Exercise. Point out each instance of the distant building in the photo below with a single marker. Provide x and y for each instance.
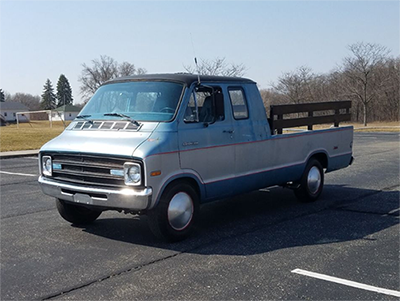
(8, 110)
(67, 112)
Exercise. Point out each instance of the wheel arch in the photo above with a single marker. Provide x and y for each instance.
(321, 156)
(190, 179)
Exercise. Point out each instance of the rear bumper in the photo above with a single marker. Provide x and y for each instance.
(128, 198)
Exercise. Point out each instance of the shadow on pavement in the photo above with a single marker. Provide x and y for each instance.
(263, 221)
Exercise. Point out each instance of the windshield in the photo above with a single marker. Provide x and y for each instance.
(141, 101)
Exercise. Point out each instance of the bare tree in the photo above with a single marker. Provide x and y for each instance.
(271, 97)
(370, 78)
(296, 86)
(386, 104)
(361, 70)
(127, 69)
(102, 70)
(391, 90)
(217, 66)
(7, 96)
(32, 102)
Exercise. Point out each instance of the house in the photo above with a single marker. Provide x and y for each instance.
(8, 110)
(67, 112)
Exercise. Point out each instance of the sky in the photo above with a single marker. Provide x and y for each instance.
(40, 40)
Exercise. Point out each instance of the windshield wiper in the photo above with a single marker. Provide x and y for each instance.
(85, 117)
(123, 116)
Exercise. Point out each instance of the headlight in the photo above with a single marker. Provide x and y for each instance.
(132, 174)
(47, 168)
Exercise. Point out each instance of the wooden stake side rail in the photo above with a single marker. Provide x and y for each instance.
(278, 123)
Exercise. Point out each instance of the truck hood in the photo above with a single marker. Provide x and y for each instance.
(109, 142)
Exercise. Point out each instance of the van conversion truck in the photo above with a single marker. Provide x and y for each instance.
(164, 144)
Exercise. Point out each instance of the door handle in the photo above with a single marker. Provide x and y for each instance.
(229, 131)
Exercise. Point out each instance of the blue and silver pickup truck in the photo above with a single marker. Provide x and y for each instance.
(164, 144)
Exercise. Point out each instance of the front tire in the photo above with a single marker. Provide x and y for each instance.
(75, 214)
(311, 182)
(174, 216)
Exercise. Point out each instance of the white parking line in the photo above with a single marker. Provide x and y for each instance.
(394, 211)
(348, 283)
(18, 174)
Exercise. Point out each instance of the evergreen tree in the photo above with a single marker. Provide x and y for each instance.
(2, 96)
(64, 92)
(48, 97)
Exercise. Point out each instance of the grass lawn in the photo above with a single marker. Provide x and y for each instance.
(34, 135)
(28, 136)
(389, 126)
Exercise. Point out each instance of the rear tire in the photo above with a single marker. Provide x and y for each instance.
(311, 182)
(75, 214)
(174, 216)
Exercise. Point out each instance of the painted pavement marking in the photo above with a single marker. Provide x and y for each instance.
(348, 282)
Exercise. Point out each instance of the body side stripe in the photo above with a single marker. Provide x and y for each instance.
(247, 142)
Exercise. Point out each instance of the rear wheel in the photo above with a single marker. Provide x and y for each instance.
(78, 215)
(174, 216)
(311, 182)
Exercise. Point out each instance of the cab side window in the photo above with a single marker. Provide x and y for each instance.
(238, 102)
(205, 105)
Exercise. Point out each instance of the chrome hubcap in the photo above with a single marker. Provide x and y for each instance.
(180, 211)
(314, 180)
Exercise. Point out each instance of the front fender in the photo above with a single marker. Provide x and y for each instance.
(183, 175)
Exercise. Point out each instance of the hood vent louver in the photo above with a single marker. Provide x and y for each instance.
(103, 125)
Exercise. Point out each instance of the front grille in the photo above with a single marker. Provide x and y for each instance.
(88, 169)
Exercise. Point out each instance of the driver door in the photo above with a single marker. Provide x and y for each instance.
(206, 147)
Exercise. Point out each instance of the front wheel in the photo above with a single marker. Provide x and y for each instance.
(311, 182)
(174, 216)
(75, 214)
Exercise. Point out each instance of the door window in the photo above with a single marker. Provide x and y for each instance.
(205, 105)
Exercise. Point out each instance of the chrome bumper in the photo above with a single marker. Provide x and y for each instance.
(128, 198)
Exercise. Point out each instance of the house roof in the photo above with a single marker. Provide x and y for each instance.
(68, 108)
(12, 105)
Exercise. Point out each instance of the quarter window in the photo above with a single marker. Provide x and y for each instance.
(191, 110)
(239, 104)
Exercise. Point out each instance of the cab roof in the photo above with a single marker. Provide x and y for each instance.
(186, 78)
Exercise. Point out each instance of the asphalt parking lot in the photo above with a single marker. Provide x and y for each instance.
(264, 245)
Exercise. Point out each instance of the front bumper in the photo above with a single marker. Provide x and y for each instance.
(127, 198)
